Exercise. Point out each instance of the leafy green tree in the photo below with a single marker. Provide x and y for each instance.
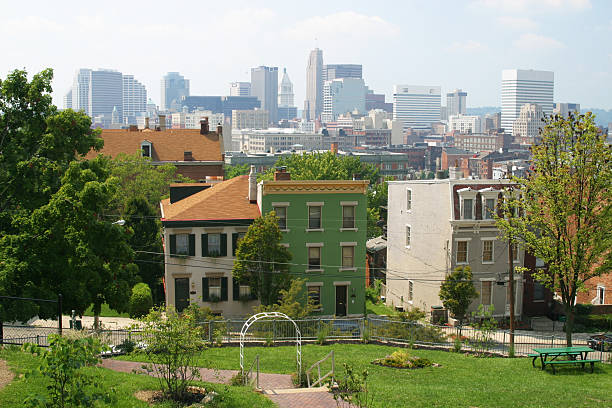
(564, 207)
(457, 292)
(141, 300)
(292, 301)
(261, 262)
(145, 241)
(235, 171)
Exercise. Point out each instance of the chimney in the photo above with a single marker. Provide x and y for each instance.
(253, 185)
(334, 147)
(281, 174)
(162, 123)
(146, 122)
(187, 156)
(219, 129)
(204, 126)
(133, 128)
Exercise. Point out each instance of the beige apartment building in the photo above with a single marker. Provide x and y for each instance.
(250, 119)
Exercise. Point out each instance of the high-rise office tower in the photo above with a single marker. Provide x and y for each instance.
(134, 99)
(80, 90)
(416, 107)
(286, 107)
(68, 100)
(525, 86)
(240, 89)
(106, 93)
(341, 96)
(173, 87)
(313, 106)
(335, 71)
(455, 102)
(564, 109)
(264, 85)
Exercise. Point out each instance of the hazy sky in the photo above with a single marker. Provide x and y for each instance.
(454, 44)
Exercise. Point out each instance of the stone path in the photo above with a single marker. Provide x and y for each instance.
(278, 387)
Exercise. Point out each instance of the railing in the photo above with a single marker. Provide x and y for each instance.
(247, 377)
(318, 365)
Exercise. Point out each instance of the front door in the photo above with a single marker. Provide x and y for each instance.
(341, 300)
(181, 293)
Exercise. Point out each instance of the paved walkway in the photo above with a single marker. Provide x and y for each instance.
(278, 387)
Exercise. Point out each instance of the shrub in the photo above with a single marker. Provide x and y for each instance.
(353, 389)
(593, 321)
(403, 359)
(127, 346)
(62, 363)
(413, 332)
(373, 292)
(141, 300)
(413, 315)
(485, 328)
(323, 333)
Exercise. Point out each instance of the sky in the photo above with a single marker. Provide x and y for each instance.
(452, 43)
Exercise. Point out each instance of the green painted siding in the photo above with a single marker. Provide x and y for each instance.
(331, 237)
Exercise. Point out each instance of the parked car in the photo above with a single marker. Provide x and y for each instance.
(600, 342)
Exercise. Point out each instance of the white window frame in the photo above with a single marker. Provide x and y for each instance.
(409, 199)
(489, 193)
(182, 248)
(348, 245)
(149, 145)
(515, 254)
(482, 243)
(492, 282)
(314, 245)
(209, 247)
(601, 299)
(315, 204)
(353, 204)
(214, 290)
(467, 251)
(408, 236)
(284, 207)
(410, 292)
(467, 194)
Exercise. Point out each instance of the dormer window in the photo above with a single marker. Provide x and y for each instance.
(467, 198)
(146, 148)
(489, 202)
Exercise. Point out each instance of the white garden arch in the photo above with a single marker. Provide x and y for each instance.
(269, 315)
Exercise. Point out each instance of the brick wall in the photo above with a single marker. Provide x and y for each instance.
(605, 281)
(196, 173)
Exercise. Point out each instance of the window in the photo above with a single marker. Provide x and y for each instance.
(601, 295)
(410, 290)
(408, 232)
(214, 288)
(281, 213)
(314, 295)
(348, 255)
(487, 251)
(214, 244)
(314, 217)
(515, 253)
(489, 209)
(314, 257)
(467, 208)
(348, 216)
(462, 251)
(182, 244)
(485, 293)
(408, 200)
(245, 291)
(146, 151)
(538, 292)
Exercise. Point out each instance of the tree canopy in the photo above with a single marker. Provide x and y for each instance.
(457, 292)
(564, 207)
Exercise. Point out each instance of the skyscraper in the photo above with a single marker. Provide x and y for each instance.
(68, 100)
(313, 106)
(455, 102)
(526, 127)
(264, 85)
(417, 107)
(134, 99)
(80, 90)
(240, 89)
(525, 86)
(335, 71)
(173, 87)
(341, 96)
(286, 107)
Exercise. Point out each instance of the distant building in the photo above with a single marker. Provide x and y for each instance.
(377, 101)
(417, 107)
(250, 119)
(526, 127)
(464, 124)
(286, 105)
(483, 142)
(491, 121)
(274, 139)
(456, 102)
(192, 120)
(337, 71)
(98, 93)
(68, 100)
(313, 105)
(220, 104)
(240, 89)
(525, 86)
(173, 88)
(341, 96)
(134, 99)
(264, 85)
(564, 108)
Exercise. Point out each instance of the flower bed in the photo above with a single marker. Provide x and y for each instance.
(403, 359)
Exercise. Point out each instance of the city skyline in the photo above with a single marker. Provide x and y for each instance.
(395, 45)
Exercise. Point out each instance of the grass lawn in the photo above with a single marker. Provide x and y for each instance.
(379, 309)
(462, 381)
(125, 386)
(106, 311)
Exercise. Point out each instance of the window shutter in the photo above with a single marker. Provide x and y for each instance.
(234, 243)
(204, 244)
(205, 296)
(235, 289)
(172, 244)
(223, 244)
(224, 288)
(191, 244)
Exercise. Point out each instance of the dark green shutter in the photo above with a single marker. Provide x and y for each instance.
(223, 244)
(191, 244)
(172, 244)
(223, 288)
(235, 289)
(234, 243)
(205, 296)
(204, 244)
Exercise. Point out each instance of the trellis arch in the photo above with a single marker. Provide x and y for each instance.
(268, 315)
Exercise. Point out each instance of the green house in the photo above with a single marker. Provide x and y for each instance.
(324, 226)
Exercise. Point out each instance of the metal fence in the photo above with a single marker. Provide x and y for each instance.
(324, 329)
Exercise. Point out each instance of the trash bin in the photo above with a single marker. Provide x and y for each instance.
(78, 324)
(438, 315)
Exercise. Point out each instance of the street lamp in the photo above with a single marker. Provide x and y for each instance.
(119, 222)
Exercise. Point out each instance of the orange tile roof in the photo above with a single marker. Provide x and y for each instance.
(227, 200)
(167, 145)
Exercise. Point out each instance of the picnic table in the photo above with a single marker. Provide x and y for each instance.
(574, 355)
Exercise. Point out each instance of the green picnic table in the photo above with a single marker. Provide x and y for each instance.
(550, 356)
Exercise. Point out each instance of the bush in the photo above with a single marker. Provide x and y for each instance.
(353, 389)
(413, 315)
(403, 359)
(141, 300)
(593, 322)
(373, 292)
(413, 332)
(324, 332)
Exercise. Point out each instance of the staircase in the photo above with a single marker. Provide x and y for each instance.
(543, 323)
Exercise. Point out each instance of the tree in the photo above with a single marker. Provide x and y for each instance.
(564, 210)
(235, 171)
(457, 292)
(292, 302)
(141, 300)
(145, 241)
(261, 262)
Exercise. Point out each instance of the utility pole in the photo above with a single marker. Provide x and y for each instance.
(511, 268)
